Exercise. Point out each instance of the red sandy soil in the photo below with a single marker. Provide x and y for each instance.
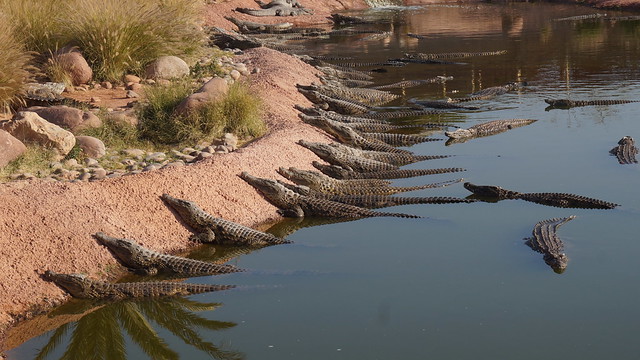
(49, 225)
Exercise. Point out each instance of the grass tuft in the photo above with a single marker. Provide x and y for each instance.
(38, 24)
(34, 160)
(13, 65)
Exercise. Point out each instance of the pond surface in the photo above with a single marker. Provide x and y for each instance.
(460, 284)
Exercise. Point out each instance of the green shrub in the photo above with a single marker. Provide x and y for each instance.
(34, 160)
(13, 66)
(120, 36)
(238, 113)
(37, 23)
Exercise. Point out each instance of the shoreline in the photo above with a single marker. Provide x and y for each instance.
(49, 225)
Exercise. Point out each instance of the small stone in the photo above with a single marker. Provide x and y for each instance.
(221, 149)
(55, 165)
(151, 167)
(128, 162)
(97, 86)
(255, 70)
(203, 155)
(187, 150)
(134, 87)
(80, 88)
(187, 158)
(99, 174)
(157, 157)
(133, 152)
(235, 74)
(129, 78)
(95, 99)
(174, 164)
(209, 149)
(131, 94)
(70, 163)
(91, 162)
(106, 85)
(84, 177)
(150, 82)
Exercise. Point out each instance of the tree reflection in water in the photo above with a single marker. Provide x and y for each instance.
(100, 335)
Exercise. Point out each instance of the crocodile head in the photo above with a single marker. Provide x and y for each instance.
(626, 140)
(335, 171)
(557, 262)
(266, 186)
(484, 190)
(559, 103)
(123, 249)
(322, 150)
(458, 133)
(301, 177)
(74, 284)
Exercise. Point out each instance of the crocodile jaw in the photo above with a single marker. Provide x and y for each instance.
(458, 133)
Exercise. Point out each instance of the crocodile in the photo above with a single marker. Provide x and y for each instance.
(581, 17)
(453, 55)
(345, 75)
(413, 83)
(487, 129)
(370, 201)
(320, 182)
(149, 262)
(336, 157)
(338, 172)
(48, 94)
(366, 96)
(625, 151)
(349, 136)
(398, 139)
(567, 104)
(369, 117)
(277, 8)
(562, 200)
(399, 114)
(343, 106)
(370, 64)
(425, 61)
(340, 19)
(82, 287)
(490, 92)
(210, 229)
(383, 156)
(253, 27)
(292, 204)
(546, 242)
(439, 104)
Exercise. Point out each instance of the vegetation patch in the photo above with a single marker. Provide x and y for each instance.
(13, 65)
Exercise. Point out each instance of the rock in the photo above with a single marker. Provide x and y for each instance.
(134, 86)
(124, 117)
(231, 141)
(84, 176)
(71, 163)
(157, 156)
(130, 78)
(151, 167)
(74, 64)
(209, 149)
(174, 164)
(134, 152)
(67, 117)
(213, 90)
(131, 94)
(10, 148)
(106, 85)
(167, 67)
(203, 155)
(91, 162)
(221, 149)
(99, 174)
(235, 74)
(27, 126)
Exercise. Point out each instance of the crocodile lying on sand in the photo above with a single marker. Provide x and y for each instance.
(625, 151)
(486, 129)
(338, 172)
(80, 286)
(292, 204)
(340, 105)
(490, 92)
(48, 94)
(398, 159)
(453, 55)
(328, 185)
(552, 199)
(150, 262)
(354, 163)
(567, 104)
(412, 83)
(277, 8)
(375, 201)
(366, 96)
(210, 229)
(546, 242)
(253, 27)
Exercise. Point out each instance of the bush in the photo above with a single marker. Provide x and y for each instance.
(13, 66)
(238, 113)
(34, 160)
(37, 23)
(120, 36)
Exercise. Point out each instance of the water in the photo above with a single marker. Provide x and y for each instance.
(460, 284)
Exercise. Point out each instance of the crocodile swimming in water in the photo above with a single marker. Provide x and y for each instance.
(490, 92)
(626, 151)
(453, 55)
(551, 199)
(292, 204)
(546, 242)
(375, 201)
(328, 185)
(338, 172)
(567, 104)
(149, 262)
(210, 229)
(82, 287)
(486, 129)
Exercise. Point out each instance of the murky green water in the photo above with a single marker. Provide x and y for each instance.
(460, 284)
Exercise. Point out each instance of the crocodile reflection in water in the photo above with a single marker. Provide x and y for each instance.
(98, 334)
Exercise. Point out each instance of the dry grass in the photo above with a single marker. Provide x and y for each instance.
(13, 65)
(37, 23)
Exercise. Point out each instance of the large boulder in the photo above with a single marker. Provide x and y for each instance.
(92, 147)
(74, 64)
(10, 148)
(213, 90)
(167, 67)
(28, 126)
(67, 117)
